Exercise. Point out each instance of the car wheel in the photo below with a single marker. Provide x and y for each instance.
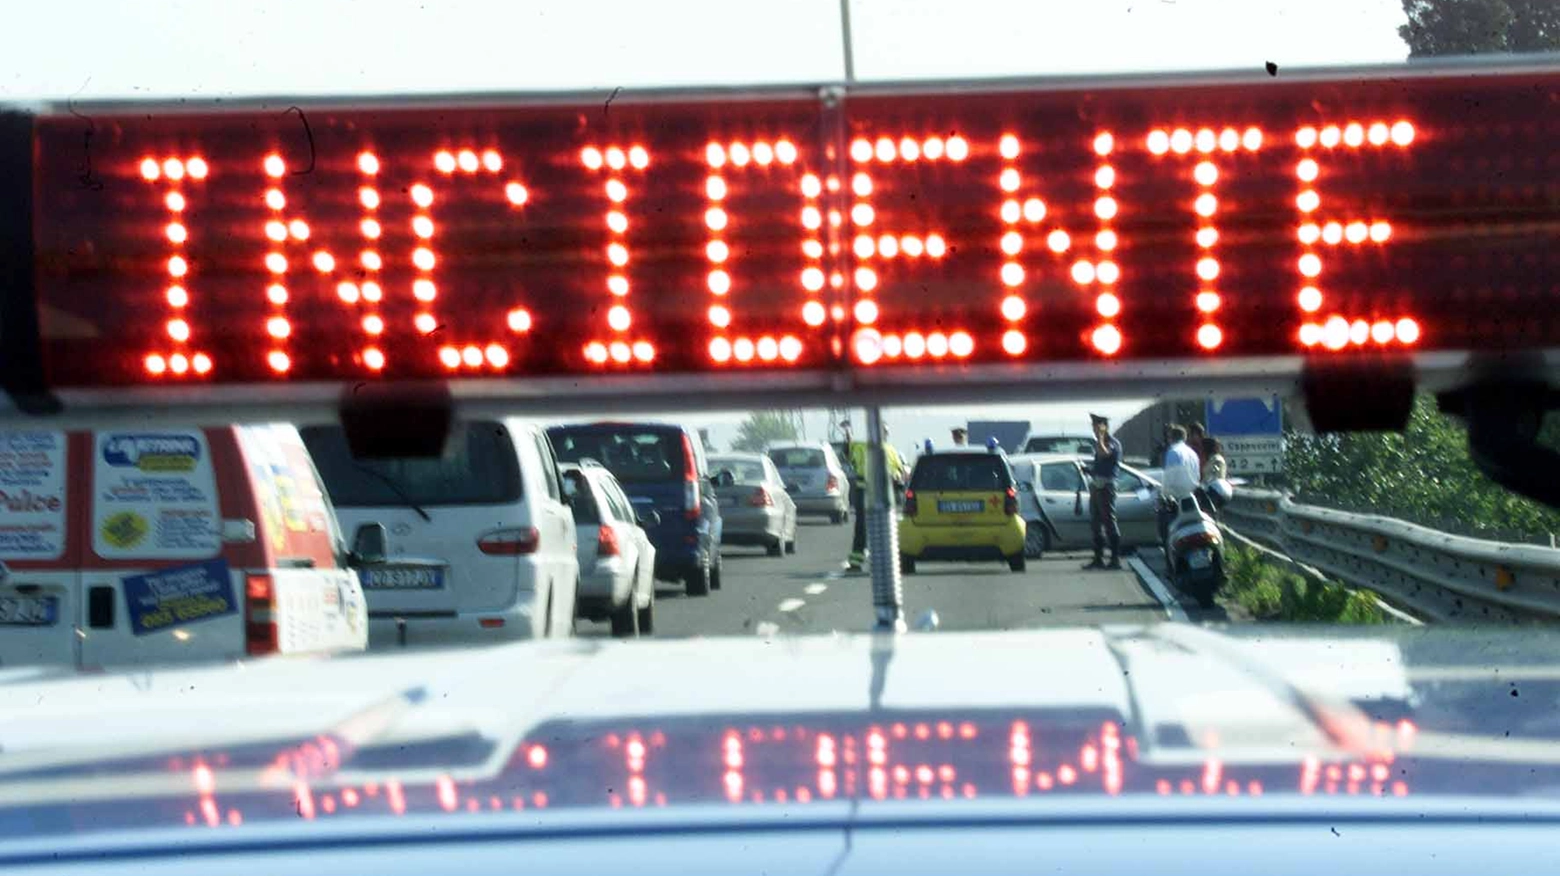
(625, 619)
(776, 549)
(1036, 540)
(907, 564)
(697, 581)
(647, 617)
(547, 619)
(715, 579)
(1017, 563)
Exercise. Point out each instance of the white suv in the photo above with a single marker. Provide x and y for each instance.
(481, 540)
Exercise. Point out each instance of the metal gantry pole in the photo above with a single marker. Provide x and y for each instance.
(850, 57)
(888, 592)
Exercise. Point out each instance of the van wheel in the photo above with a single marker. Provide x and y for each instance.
(697, 581)
(1017, 563)
(790, 545)
(647, 617)
(775, 549)
(907, 564)
(837, 518)
(625, 620)
(547, 619)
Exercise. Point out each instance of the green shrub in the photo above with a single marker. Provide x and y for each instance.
(1270, 591)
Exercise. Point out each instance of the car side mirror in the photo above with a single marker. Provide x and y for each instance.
(370, 545)
(649, 519)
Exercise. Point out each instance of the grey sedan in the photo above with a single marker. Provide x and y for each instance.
(754, 506)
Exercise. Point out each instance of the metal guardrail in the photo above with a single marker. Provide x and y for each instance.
(1439, 577)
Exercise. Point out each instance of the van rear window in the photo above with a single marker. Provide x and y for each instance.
(480, 469)
(961, 472)
(636, 454)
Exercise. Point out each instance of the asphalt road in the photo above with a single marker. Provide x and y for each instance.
(809, 593)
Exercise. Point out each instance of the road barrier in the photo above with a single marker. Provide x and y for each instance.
(1435, 576)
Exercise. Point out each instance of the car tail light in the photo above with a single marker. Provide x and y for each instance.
(260, 635)
(911, 505)
(1010, 502)
(761, 498)
(509, 542)
(691, 509)
(833, 486)
(1202, 538)
(607, 542)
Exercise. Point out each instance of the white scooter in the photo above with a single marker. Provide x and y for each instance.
(1194, 549)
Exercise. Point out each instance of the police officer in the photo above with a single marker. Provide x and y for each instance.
(1102, 495)
(961, 437)
(858, 490)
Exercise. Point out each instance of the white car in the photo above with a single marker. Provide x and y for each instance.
(481, 540)
(1054, 495)
(617, 560)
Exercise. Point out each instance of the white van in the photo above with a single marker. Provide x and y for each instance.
(481, 541)
(134, 547)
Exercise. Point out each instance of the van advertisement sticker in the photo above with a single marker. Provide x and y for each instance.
(183, 594)
(32, 495)
(155, 496)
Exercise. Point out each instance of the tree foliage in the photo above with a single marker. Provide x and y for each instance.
(1476, 27)
(1423, 475)
(763, 427)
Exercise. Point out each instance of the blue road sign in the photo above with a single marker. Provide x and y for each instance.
(1245, 416)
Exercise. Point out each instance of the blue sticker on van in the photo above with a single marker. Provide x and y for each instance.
(152, 452)
(179, 595)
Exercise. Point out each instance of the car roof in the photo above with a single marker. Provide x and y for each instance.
(744, 457)
(963, 451)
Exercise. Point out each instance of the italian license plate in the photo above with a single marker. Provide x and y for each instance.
(403, 578)
(29, 611)
(971, 506)
(1200, 559)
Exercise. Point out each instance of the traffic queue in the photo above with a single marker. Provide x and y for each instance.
(130, 548)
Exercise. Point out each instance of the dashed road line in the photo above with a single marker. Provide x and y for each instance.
(789, 605)
(815, 588)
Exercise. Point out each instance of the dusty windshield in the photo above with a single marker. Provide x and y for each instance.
(1071, 346)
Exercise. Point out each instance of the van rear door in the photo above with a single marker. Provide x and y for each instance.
(157, 587)
(40, 545)
(435, 511)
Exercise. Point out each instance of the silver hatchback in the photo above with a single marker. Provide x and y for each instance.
(814, 478)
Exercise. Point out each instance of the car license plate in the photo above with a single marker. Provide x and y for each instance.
(29, 611)
(1200, 559)
(966, 507)
(403, 578)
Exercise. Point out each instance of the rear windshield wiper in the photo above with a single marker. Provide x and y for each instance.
(394, 488)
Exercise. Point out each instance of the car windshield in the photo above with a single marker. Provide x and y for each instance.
(798, 457)
(479, 469)
(634, 455)
(1154, 403)
(961, 472)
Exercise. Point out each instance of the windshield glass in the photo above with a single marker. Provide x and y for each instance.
(635, 455)
(480, 469)
(798, 457)
(1187, 367)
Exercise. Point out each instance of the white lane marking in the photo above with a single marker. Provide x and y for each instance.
(792, 604)
(815, 588)
(1173, 608)
(767, 629)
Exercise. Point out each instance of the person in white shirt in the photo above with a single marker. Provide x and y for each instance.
(1182, 478)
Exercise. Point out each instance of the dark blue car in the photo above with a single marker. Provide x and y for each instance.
(662, 468)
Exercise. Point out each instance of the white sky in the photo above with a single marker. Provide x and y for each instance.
(162, 48)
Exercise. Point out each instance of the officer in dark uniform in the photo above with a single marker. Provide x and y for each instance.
(1102, 495)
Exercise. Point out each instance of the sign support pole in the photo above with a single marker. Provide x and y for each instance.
(888, 591)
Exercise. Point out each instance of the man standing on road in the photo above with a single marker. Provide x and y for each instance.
(857, 451)
(1102, 495)
(961, 437)
(1183, 473)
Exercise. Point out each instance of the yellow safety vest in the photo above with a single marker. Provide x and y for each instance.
(859, 457)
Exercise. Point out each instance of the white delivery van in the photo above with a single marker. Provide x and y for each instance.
(135, 547)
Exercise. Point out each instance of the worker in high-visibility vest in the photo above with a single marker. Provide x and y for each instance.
(859, 460)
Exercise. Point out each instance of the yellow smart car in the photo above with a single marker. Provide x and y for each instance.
(961, 505)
